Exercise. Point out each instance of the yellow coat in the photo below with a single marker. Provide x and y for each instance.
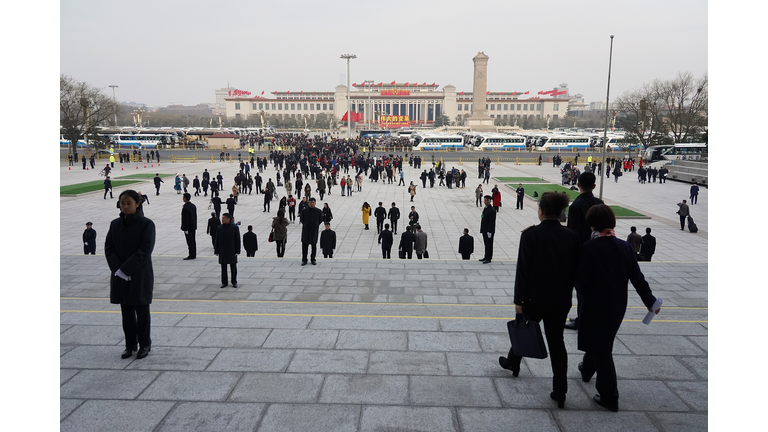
(366, 214)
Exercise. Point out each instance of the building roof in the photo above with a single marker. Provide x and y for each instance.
(224, 135)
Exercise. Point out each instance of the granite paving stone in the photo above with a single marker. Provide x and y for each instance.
(365, 389)
(503, 420)
(453, 391)
(191, 386)
(116, 415)
(302, 417)
(277, 388)
(329, 361)
(407, 363)
(251, 360)
(212, 416)
(107, 384)
(408, 418)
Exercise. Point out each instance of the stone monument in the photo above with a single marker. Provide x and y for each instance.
(480, 121)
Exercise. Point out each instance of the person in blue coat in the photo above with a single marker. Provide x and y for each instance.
(607, 264)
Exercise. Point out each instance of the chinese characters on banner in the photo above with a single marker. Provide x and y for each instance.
(395, 92)
(239, 93)
(390, 121)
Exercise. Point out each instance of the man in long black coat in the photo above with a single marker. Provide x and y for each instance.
(89, 239)
(311, 218)
(466, 245)
(227, 247)
(386, 240)
(488, 228)
(328, 241)
(649, 245)
(231, 202)
(189, 225)
(250, 242)
(157, 181)
(213, 223)
(577, 220)
(407, 240)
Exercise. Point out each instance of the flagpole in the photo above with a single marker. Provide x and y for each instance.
(605, 129)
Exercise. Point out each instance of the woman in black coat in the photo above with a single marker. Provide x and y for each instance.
(128, 249)
(327, 215)
(607, 265)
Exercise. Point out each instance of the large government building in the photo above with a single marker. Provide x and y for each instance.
(397, 104)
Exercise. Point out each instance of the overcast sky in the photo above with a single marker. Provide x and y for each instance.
(159, 52)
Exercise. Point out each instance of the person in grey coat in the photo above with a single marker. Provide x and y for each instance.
(128, 249)
(683, 212)
(420, 246)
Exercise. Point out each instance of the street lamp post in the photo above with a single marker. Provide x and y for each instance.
(369, 121)
(349, 114)
(115, 100)
(605, 130)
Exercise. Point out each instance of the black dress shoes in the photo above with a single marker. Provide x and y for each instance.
(234, 285)
(143, 352)
(128, 352)
(303, 263)
(481, 260)
(224, 286)
(584, 377)
(610, 405)
(189, 258)
(572, 325)
(559, 398)
(504, 363)
(314, 262)
(486, 261)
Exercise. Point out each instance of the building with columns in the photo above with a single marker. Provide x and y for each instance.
(397, 104)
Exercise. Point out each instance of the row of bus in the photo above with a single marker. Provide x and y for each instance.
(162, 137)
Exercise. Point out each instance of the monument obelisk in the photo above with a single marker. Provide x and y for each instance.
(480, 121)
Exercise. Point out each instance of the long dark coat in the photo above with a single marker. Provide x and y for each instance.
(128, 247)
(385, 238)
(311, 218)
(407, 239)
(250, 242)
(227, 243)
(607, 264)
(466, 244)
(328, 241)
(577, 214)
(188, 217)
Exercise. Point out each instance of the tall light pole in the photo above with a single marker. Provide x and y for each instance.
(605, 130)
(349, 101)
(115, 100)
(369, 83)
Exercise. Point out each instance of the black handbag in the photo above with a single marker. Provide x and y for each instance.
(401, 254)
(271, 236)
(526, 338)
(426, 254)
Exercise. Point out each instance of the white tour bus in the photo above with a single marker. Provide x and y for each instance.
(437, 141)
(494, 141)
(563, 142)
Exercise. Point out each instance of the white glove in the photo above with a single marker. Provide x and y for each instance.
(186, 232)
(85, 243)
(489, 235)
(119, 273)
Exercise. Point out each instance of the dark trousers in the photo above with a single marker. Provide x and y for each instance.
(292, 213)
(519, 204)
(386, 252)
(90, 249)
(108, 190)
(553, 318)
(488, 246)
(465, 256)
(305, 250)
(478, 201)
(136, 323)
(394, 226)
(379, 225)
(694, 198)
(280, 248)
(250, 253)
(602, 364)
(191, 243)
(682, 222)
(233, 270)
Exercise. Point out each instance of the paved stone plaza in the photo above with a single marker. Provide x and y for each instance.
(362, 343)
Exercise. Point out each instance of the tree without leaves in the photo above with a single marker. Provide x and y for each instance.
(82, 108)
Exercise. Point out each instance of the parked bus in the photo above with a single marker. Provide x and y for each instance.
(653, 153)
(688, 151)
(437, 141)
(375, 134)
(563, 142)
(499, 142)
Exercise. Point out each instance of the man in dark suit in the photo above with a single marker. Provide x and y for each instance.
(227, 247)
(231, 202)
(544, 295)
(386, 240)
(488, 228)
(157, 181)
(380, 213)
(394, 215)
(577, 220)
(250, 242)
(520, 191)
(89, 239)
(649, 245)
(466, 245)
(406, 242)
(189, 225)
(213, 223)
(311, 218)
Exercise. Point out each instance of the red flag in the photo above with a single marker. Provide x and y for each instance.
(526, 92)
(354, 84)
(392, 83)
(262, 92)
(380, 84)
(424, 85)
(488, 92)
(433, 84)
(461, 93)
(288, 92)
(301, 92)
(406, 84)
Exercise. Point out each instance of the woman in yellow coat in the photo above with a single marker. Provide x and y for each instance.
(366, 213)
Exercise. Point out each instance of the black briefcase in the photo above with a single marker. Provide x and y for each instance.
(426, 254)
(526, 338)
(402, 254)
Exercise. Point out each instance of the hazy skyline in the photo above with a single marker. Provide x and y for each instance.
(160, 53)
